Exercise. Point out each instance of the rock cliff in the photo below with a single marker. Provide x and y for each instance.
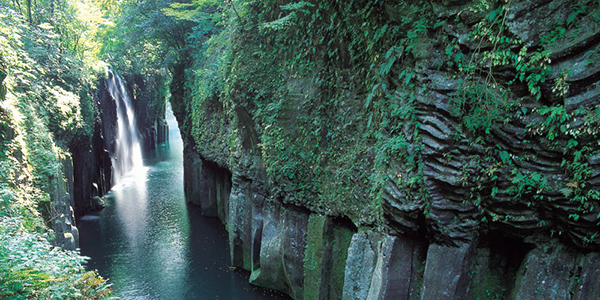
(441, 150)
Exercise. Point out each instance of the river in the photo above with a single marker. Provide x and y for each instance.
(152, 245)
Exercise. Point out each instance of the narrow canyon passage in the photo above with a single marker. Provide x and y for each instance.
(152, 245)
(327, 149)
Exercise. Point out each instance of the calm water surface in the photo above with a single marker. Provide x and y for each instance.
(152, 245)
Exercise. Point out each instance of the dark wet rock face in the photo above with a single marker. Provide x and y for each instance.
(310, 256)
(149, 107)
(62, 214)
(589, 273)
(557, 272)
(92, 169)
(282, 247)
(383, 267)
(533, 187)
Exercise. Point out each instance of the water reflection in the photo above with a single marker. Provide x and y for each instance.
(152, 245)
(131, 207)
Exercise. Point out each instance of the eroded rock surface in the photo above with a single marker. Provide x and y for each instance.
(507, 210)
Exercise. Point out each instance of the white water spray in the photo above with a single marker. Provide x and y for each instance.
(128, 153)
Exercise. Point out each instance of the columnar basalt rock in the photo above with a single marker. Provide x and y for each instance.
(92, 174)
(447, 272)
(506, 210)
(283, 243)
(162, 131)
(325, 257)
(192, 176)
(62, 203)
(401, 265)
(525, 152)
(381, 266)
(239, 223)
(362, 259)
(149, 108)
(310, 256)
(495, 264)
(209, 185)
(554, 271)
(586, 286)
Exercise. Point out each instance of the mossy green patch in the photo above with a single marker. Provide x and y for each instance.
(313, 257)
(342, 237)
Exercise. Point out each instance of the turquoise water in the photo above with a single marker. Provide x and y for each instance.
(152, 245)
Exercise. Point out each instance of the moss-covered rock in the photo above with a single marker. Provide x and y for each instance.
(442, 123)
(313, 257)
(325, 258)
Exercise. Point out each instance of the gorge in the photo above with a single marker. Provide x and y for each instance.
(350, 149)
(151, 245)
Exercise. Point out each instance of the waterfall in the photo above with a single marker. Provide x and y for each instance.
(127, 154)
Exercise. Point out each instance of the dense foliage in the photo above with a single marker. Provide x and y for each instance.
(338, 106)
(48, 66)
(31, 268)
(334, 96)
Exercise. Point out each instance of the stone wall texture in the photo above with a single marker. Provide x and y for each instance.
(500, 213)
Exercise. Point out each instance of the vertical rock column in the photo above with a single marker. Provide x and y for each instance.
(63, 218)
(555, 271)
(206, 184)
(587, 282)
(162, 130)
(381, 266)
(192, 174)
(282, 250)
(92, 167)
(447, 272)
(325, 258)
(239, 223)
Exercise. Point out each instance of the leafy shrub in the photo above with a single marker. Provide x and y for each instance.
(31, 267)
(44, 80)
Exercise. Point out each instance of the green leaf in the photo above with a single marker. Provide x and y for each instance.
(572, 17)
(572, 143)
(494, 13)
(296, 6)
(369, 98)
(390, 52)
(385, 68)
(505, 157)
(408, 78)
(439, 23)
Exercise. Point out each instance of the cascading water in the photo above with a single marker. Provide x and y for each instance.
(127, 154)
